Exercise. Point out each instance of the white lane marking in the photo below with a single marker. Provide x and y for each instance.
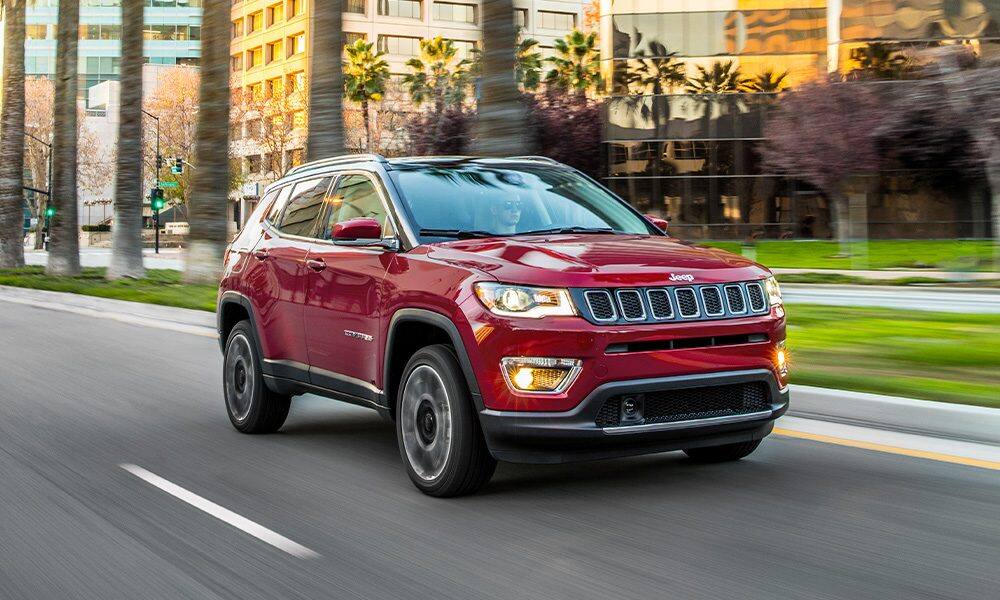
(223, 514)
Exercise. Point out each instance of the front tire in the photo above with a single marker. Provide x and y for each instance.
(440, 440)
(726, 453)
(251, 406)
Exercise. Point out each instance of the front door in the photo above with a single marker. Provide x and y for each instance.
(345, 295)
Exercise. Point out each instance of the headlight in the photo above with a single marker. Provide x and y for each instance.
(519, 301)
(540, 375)
(773, 291)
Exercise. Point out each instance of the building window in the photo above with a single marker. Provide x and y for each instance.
(465, 48)
(275, 14)
(274, 87)
(458, 13)
(294, 8)
(399, 45)
(273, 51)
(255, 57)
(237, 29)
(296, 44)
(253, 164)
(355, 6)
(521, 17)
(236, 63)
(556, 20)
(295, 81)
(255, 22)
(351, 36)
(409, 9)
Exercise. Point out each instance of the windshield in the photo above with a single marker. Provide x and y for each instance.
(475, 200)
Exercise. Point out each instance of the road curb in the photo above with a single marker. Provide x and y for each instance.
(907, 415)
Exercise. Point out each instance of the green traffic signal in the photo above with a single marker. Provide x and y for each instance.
(156, 201)
(50, 211)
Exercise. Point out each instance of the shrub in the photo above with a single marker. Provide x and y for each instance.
(440, 133)
(567, 128)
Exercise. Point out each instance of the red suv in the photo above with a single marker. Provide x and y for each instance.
(496, 309)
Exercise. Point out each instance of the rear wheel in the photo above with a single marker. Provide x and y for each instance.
(729, 452)
(251, 406)
(437, 428)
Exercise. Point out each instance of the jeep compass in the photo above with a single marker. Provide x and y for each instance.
(495, 309)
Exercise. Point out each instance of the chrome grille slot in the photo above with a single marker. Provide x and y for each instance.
(712, 299)
(659, 304)
(601, 305)
(630, 302)
(755, 292)
(734, 299)
(687, 302)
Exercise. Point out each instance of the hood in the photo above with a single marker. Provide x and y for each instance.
(596, 260)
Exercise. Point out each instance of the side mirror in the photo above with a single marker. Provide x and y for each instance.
(660, 224)
(364, 228)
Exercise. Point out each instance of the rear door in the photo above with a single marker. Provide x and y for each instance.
(280, 283)
(346, 290)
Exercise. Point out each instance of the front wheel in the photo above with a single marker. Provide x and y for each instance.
(252, 407)
(726, 453)
(437, 428)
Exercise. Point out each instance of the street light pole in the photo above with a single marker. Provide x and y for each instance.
(156, 175)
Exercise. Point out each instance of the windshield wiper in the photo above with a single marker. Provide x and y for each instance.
(460, 234)
(568, 230)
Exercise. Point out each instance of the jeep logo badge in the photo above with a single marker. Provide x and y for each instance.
(682, 277)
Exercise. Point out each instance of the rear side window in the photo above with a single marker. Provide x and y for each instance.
(300, 214)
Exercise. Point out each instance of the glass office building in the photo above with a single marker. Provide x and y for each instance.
(173, 36)
(694, 159)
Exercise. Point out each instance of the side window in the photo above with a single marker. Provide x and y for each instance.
(356, 196)
(275, 210)
(299, 216)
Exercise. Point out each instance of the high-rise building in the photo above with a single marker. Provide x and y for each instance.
(173, 36)
(270, 58)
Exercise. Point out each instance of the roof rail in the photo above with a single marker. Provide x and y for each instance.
(344, 158)
(538, 158)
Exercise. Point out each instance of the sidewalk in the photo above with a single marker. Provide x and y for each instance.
(168, 258)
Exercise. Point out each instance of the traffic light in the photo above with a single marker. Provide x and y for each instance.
(159, 162)
(50, 211)
(178, 167)
(156, 201)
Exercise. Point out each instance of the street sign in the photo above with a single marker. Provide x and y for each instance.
(168, 184)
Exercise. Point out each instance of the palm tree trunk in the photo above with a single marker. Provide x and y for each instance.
(366, 115)
(502, 127)
(12, 138)
(126, 238)
(326, 82)
(210, 187)
(64, 248)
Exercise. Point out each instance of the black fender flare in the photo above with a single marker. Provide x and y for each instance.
(231, 297)
(420, 315)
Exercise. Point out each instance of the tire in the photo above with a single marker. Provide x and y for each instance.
(727, 453)
(251, 406)
(437, 428)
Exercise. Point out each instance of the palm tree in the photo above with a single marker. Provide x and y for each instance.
(502, 118)
(326, 82)
(658, 73)
(528, 64)
(576, 65)
(365, 76)
(879, 60)
(210, 188)
(12, 138)
(437, 75)
(126, 238)
(64, 249)
(768, 81)
(720, 78)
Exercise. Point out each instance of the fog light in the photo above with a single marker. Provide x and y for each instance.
(781, 359)
(540, 375)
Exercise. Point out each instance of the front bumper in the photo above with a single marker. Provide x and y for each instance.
(558, 437)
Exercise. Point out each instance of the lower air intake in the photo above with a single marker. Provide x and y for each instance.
(688, 404)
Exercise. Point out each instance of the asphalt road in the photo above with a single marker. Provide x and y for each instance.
(81, 396)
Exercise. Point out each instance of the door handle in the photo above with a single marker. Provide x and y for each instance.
(315, 265)
(261, 254)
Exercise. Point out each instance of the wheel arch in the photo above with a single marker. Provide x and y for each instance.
(233, 308)
(402, 341)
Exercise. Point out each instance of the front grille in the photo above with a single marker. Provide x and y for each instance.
(687, 302)
(713, 301)
(687, 404)
(659, 303)
(601, 305)
(631, 303)
(756, 294)
(734, 297)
